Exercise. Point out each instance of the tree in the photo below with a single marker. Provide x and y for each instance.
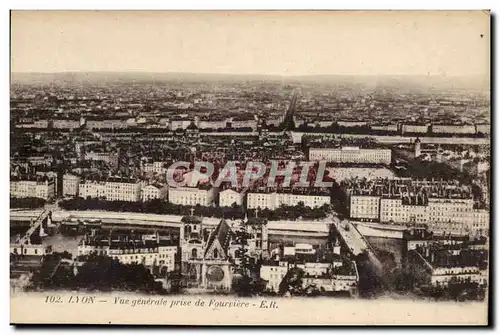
(241, 238)
(247, 285)
(292, 282)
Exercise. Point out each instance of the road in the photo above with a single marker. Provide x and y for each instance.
(288, 121)
(359, 245)
(351, 237)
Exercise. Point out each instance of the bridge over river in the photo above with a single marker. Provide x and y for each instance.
(314, 229)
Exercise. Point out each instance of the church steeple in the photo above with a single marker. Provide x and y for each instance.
(417, 148)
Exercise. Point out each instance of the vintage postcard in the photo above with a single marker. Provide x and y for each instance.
(250, 168)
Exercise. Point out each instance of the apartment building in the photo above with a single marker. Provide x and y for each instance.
(154, 191)
(327, 276)
(92, 189)
(71, 185)
(121, 190)
(415, 128)
(155, 167)
(65, 123)
(229, 197)
(147, 252)
(43, 188)
(191, 196)
(456, 216)
(275, 200)
(110, 158)
(106, 123)
(364, 207)
(444, 264)
(273, 272)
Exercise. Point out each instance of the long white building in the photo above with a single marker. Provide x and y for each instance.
(113, 190)
(453, 129)
(353, 155)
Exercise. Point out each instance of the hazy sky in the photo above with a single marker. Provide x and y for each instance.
(280, 43)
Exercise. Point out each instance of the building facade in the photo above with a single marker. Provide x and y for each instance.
(92, 189)
(110, 158)
(206, 255)
(229, 197)
(71, 185)
(123, 191)
(191, 196)
(154, 191)
(148, 253)
(275, 200)
(365, 207)
(457, 216)
(44, 188)
(354, 155)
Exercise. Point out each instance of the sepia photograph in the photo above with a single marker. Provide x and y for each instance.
(250, 167)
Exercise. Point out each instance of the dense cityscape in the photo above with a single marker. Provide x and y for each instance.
(388, 191)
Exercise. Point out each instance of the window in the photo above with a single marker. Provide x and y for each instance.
(216, 253)
(194, 253)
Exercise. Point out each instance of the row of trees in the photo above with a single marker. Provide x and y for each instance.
(29, 202)
(429, 169)
(100, 273)
(458, 291)
(300, 211)
(249, 282)
(411, 279)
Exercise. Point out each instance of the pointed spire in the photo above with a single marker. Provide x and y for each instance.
(42, 232)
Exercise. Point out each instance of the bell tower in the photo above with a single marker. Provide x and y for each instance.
(417, 148)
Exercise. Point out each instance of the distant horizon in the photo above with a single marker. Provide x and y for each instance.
(253, 43)
(245, 74)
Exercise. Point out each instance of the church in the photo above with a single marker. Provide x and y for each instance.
(206, 261)
(209, 253)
